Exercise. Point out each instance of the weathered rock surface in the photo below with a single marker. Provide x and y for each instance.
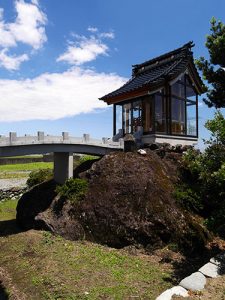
(34, 202)
(210, 270)
(176, 290)
(219, 260)
(194, 282)
(129, 201)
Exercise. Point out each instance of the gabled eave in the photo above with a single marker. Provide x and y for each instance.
(156, 73)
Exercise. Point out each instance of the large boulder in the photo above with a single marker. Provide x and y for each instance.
(129, 201)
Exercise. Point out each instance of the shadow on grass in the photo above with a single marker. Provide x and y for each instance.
(9, 227)
(3, 293)
(192, 263)
(187, 266)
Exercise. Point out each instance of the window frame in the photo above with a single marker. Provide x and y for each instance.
(166, 92)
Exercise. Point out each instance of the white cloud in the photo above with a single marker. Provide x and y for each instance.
(28, 28)
(108, 35)
(92, 29)
(35, 2)
(200, 104)
(11, 62)
(6, 37)
(56, 95)
(84, 50)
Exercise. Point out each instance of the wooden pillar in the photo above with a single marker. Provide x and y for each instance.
(114, 119)
(197, 115)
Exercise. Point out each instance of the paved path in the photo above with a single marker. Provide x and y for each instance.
(15, 182)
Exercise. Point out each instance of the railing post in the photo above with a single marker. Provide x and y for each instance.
(65, 136)
(86, 137)
(121, 143)
(12, 137)
(104, 140)
(41, 136)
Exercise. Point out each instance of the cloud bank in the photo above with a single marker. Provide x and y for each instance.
(28, 28)
(51, 96)
(85, 49)
(56, 95)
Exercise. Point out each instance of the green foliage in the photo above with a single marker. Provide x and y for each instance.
(47, 238)
(39, 176)
(213, 69)
(217, 129)
(202, 187)
(189, 199)
(73, 189)
(84, 158)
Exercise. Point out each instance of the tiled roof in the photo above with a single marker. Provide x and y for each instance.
(155, 71)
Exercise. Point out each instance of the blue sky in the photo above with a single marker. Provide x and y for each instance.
(58, 57)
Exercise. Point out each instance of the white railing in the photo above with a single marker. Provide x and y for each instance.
(41, 138)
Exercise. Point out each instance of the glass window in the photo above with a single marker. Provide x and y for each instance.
(191, 118)
(148, 114)
(127, 118)
(178, 116)
(137, 115)
(190, 93)
(183, 107)
(160, 113)
(118, 117)
(178, 89)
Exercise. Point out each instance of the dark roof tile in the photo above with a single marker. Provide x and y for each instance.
(154, 71)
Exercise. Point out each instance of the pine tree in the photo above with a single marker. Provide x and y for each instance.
(213, 70)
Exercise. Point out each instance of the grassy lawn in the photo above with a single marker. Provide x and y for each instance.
(8, 210)
(13, 175)
(26, 167)
(22, 170)
(23, 156)
(44, 266)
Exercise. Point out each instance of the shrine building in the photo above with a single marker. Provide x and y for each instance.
(160, 101)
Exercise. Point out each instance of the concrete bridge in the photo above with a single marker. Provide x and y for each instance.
(62, 146)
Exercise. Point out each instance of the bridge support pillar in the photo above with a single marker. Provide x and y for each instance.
(63, 166)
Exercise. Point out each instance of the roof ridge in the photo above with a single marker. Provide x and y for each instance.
(155, 72)
(185, 48)
(153, 79)
(155, 65)
(176, 62)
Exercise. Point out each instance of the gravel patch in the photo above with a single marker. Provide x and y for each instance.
(14, 182)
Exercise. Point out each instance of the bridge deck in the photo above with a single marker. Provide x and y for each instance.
(40, 144)
(63, 148)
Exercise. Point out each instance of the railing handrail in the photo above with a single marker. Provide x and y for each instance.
(65, 138)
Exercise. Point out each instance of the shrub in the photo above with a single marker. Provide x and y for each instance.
(84, 158)
(37, 177)
(202, 185)
(73, 189)
(188, 198)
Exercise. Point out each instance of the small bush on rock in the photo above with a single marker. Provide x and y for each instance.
(73, 189)
(37, 177)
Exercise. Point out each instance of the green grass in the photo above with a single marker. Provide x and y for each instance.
(23, 156)
(8, 210)
(16, 171)
(14, 175)
(26, 167)
(44, 266)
